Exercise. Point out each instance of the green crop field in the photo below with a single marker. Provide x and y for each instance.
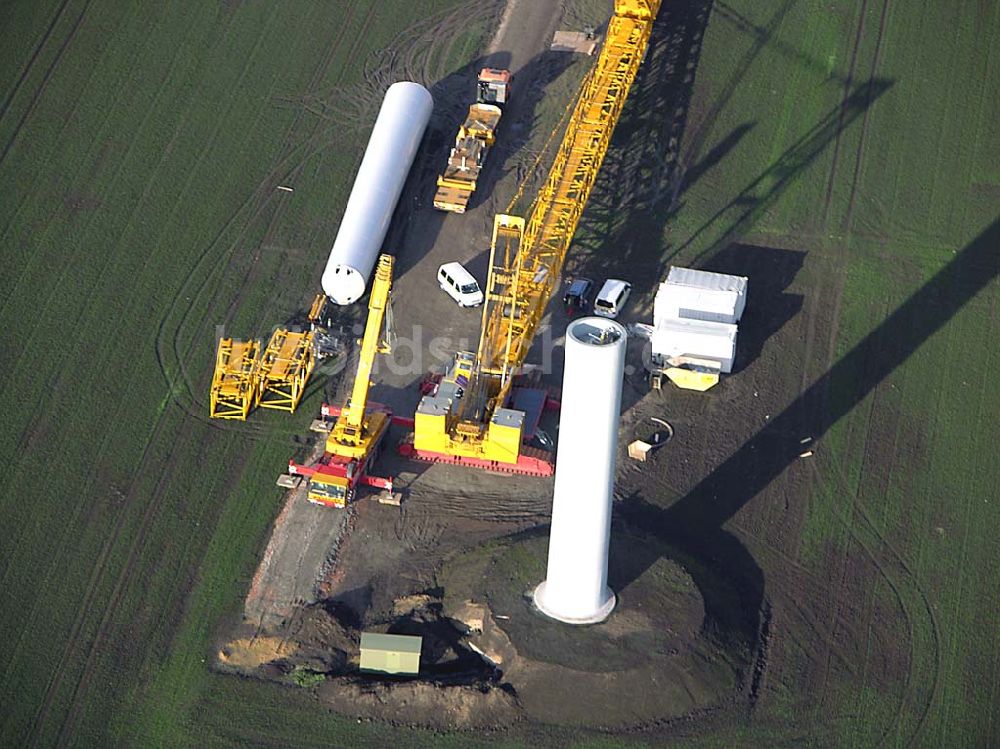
(140, 144)
(865, 134)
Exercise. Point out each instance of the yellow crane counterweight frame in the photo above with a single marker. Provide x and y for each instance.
(234, 382)
(526, 257)
(284, 370)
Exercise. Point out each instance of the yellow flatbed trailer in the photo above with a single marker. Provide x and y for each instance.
(475, 138)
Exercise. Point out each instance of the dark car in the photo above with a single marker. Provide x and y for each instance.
(542, 441)
(577, 297)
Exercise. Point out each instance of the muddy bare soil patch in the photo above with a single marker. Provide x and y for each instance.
(489, 659)
(658, 656)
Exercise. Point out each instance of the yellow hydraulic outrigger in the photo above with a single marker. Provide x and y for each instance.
(471, 421)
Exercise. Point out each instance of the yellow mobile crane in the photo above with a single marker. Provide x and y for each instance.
(469, 419)
(355, 440)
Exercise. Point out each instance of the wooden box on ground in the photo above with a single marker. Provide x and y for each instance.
(639, 450)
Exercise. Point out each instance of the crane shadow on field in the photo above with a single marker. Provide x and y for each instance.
(640, 179)
(634, 243)
(744, 209)
(651, 163)
(695, 522)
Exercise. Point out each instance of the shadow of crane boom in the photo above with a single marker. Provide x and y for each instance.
(694, 524)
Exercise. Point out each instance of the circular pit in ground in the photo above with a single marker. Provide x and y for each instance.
(658, 656)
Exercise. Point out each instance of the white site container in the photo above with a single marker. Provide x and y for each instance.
(697, 338)
(576, 589)
(700, 295)
(406, 110)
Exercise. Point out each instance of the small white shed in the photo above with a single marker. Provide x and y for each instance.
(698, 338)
(690, 294)
(390, 654)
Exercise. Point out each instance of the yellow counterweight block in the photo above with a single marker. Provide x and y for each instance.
(234, 382)
(284, 369)
(689, 379)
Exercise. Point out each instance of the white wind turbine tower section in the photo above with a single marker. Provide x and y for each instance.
(576, 589)
(401, 122)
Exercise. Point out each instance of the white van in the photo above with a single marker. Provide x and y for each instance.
(460, 284)
(612, 297)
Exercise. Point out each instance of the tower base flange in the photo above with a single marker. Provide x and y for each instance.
(602, 612)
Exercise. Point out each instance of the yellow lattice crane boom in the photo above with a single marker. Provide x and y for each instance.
(470, 421)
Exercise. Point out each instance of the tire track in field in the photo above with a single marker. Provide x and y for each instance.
(98, 572)
(54, 295)
(154, 504)
(410, 55)
(168, 344)
(32, 432)
(45, 81)
(905, 578)
(845, 104)
(856, 506)
(876, 60)
(516, 505)
(57, 676)
(314, 137)
(838, 281)
(838, 253)
(845, 519)
(418, 64)
(836, 308)
(88, 601)
(26, 71)
(66, 124)
(790, 562)
(315, 144)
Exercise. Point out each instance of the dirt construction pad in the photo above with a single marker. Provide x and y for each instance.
(689, 632)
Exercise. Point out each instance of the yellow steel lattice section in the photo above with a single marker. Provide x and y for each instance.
(284, 369)
(510, 319)
(234, 382)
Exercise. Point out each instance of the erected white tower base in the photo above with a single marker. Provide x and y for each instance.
(576, 589)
